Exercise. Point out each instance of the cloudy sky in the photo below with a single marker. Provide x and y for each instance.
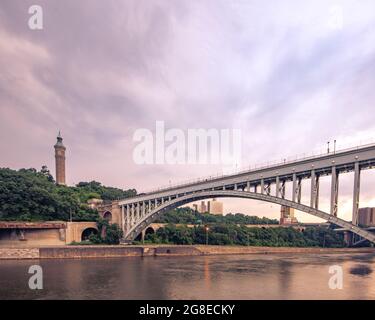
(290, 75)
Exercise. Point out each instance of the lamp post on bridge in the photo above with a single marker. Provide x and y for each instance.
(334, 146)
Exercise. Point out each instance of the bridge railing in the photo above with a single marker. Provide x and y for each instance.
(262, 166)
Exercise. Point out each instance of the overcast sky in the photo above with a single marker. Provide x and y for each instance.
(291, 75)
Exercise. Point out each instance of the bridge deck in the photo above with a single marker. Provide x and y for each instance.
(342, 160)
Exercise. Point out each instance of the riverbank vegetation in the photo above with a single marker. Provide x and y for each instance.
(31, 195)
(231, 234)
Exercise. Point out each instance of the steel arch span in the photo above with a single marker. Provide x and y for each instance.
(172, 204)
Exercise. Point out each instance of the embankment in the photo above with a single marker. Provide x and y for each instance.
(72, 252)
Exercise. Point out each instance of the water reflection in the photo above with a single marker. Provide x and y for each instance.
(207, 275)
(299, 276)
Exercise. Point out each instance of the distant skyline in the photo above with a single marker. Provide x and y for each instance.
(290, 80)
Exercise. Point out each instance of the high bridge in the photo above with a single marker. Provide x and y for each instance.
(140, 211)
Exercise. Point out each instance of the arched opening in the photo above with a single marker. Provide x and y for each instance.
(87, 233)
(149, 230)
(107, 216)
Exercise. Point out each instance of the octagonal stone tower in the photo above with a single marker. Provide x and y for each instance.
(60, 160)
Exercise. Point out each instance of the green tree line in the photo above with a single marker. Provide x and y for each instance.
(31, 195)
(231, 234)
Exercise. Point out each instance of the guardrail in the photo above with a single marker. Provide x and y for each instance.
(267, 165)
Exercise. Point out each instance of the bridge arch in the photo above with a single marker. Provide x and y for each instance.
(201, 195)
(86, 233)
(149, 230)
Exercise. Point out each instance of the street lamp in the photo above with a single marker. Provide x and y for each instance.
(334, 146)
(206, 228)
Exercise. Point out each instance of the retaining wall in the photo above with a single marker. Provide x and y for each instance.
(68, 252)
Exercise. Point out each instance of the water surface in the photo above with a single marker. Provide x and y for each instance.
(258, 276)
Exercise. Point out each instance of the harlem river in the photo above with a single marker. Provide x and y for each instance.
(256, 276)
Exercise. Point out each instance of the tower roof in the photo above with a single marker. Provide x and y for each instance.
(59, 142)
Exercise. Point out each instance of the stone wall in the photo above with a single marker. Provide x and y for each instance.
(69, 252)
(177, 250)
(19, 253)
(74, 230)
(89, 252)
(114, 209)
(116, 251)
(42, 236)
(32, 237)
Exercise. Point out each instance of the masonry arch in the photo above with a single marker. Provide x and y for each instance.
(202, 195)
(86, 233)
(107, 216)
(149, 230)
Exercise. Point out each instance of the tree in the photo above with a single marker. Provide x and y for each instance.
(232, 234)
(45, 171)
(108, 233)
(96, 189)
(29, 195)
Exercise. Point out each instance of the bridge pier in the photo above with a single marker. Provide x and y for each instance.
(314, 197)
(297, 184)
(267, 189)
(123, 219)
(127, 211)
(299, 189)
(277, 186)
(133, 215)
(317, 183)
(356, 189)
(334, 191)
(282, 189)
